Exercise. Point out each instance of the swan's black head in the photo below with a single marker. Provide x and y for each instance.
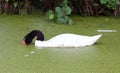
(29, 37)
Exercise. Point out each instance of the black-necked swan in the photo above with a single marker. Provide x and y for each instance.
(62, 40)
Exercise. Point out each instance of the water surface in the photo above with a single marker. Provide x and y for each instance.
(103, 57)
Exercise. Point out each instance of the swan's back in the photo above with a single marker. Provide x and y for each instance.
(71, 40)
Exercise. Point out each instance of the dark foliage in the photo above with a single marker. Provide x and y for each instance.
(82, 7)
(15, 6)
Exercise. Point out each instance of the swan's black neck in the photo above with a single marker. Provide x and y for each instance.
(29, 37)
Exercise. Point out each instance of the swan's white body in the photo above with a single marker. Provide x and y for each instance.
(68, 40)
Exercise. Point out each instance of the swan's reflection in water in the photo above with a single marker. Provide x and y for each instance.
(71, 53)
(72, 50)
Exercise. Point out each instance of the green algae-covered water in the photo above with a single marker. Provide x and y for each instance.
(103, 57)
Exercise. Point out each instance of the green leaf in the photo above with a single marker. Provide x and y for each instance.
(51, 16)
(6, 0)
(66, 18)
(111, 2)
(67, 10)
(70, 21)
(58, 9)
(103, 1)
(59, 12)
(64, 3)
(15, 4)
(118, 2)
(61, 20)
(108, 6)
(49, 12)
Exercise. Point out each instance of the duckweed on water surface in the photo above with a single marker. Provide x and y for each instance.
(103, 57)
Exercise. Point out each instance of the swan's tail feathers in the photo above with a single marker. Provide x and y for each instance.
(94, 39)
